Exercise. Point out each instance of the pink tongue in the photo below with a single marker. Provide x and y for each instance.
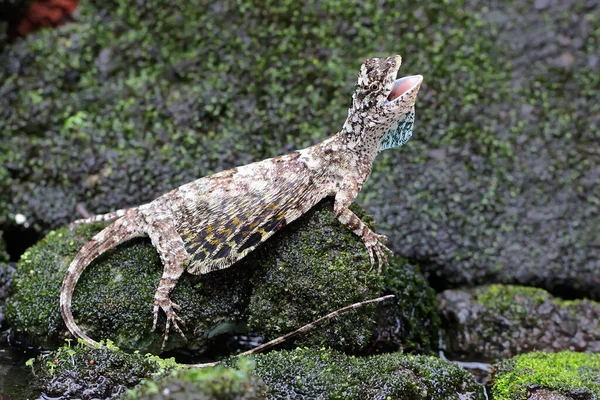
(401, 87)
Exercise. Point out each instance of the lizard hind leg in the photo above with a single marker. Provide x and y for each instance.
(171, 250)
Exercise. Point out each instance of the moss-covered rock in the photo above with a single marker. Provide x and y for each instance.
(79, 371)
(218, 383)
(566, 375)
(323, 373)
(499, 183)
(495, 322)
(301, 373)
(312, 267)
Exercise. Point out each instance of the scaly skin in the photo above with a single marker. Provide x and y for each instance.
(212, 222)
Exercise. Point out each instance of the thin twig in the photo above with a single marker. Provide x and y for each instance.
(302, 329)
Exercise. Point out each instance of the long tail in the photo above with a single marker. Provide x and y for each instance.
(118, 232)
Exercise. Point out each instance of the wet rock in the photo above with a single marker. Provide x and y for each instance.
(495, 322)
(557, 376)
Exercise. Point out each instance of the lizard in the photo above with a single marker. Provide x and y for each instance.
(212, 222)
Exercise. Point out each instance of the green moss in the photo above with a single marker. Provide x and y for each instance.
(311, 268)
(324, 373)
(204, 383)
(566, 372)
(105, 372)
(504, 299)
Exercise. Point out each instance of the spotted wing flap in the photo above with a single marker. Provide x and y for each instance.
(225, 226)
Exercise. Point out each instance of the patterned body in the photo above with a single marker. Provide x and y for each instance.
(212, 222)
(242, 210)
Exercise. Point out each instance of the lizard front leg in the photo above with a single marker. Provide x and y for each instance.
(374, 242)
(172, 253)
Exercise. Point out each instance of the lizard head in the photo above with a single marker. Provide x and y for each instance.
(383, 107)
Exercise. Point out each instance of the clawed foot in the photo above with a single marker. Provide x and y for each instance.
(169, 309)
(375, 244)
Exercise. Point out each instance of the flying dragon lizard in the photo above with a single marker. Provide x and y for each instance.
(212, 222)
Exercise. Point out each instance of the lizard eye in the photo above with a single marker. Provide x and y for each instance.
(375, 86)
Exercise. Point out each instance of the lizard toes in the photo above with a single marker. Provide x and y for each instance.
(370, 251)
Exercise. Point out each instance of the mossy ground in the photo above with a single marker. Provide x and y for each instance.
(311, 268)
(571, 373)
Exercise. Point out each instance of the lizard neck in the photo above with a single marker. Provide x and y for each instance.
(361, 134)
(348, 156)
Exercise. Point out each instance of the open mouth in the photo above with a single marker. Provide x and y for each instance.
(404, 85)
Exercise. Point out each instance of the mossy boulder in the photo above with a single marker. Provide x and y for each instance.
(78, 371)
(499, 183)
(303, 373)
(309, 269)
(544, 376)
(490, 323)
(324, 373)
(128, 102)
